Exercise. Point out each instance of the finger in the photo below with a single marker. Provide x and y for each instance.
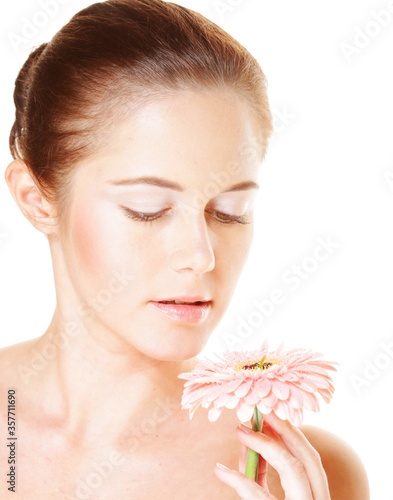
(269, 431)
(291, 471)
(297, 443)
(245, 487)
(243, 458)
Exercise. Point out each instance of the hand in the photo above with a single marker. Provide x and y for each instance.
(287, 450)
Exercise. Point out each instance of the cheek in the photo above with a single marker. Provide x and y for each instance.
(236, 248)
(89, 240)
(98, 241)
(104, 243)
(231, 256)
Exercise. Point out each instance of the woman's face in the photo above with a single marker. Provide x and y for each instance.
(164, 210)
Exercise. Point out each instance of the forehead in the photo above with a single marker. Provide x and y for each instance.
(184, 137)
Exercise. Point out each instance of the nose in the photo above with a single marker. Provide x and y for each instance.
(192, 249)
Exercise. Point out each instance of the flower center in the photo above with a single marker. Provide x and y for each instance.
(262, 364)
(258, 364)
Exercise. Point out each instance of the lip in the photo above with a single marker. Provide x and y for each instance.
(184, 313)
(186, 298)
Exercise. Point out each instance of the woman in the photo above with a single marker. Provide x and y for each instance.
(139, 133)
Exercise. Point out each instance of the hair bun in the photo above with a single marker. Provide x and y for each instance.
(22, 84)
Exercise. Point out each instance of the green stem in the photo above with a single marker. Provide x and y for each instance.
(252, 464)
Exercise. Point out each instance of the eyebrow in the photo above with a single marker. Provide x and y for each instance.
(164, 183)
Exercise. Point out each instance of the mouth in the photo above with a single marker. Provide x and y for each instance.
(185, 311)
(196, 303)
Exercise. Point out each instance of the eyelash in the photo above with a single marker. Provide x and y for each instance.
(144, 217)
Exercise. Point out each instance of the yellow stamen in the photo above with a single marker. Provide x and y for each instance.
(261, 364)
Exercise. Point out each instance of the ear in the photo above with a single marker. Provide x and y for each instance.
(28, 197)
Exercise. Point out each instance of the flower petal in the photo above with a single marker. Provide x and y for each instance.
(320, 382)
(282, 410)
(262, 387)
(214, 413)
(252, 397)
(232, 402)
(244, 411)
(194, 408)
(314, 369)
(243, 389)
(214, 392)
(296, 418)
(232, 385)
(310, 402)
(307, 384)
(265, 410)
(270, 400)
(288, 377)
(327, 365)
(193, 395)
(222, 400)
(326, 394)
(280, 389)
(295, 399)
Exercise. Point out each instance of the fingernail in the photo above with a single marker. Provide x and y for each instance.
(222, 467)
(245, 429)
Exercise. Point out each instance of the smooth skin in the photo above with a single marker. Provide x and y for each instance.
(121, 357)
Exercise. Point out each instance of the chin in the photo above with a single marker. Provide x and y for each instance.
(181, 352)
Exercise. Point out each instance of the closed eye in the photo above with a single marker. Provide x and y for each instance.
(221, 217)
(229, 219)
(142, 216)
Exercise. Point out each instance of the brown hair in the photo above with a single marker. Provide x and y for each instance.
(109, 59)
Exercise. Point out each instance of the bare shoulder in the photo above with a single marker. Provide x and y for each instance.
(15, 367)
(13, 358)
(9, 360)
(345, 471)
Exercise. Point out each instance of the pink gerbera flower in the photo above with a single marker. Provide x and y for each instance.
(282, 382)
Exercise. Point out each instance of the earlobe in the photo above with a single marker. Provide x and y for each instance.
(28, 197)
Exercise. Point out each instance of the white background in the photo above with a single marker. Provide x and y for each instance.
(327, 175)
